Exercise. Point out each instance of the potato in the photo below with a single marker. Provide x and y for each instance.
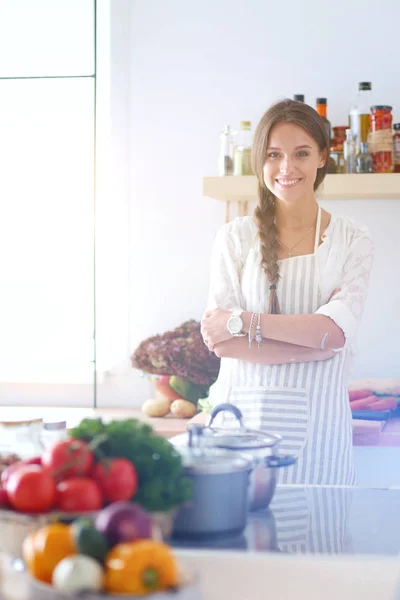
(156, 407)
(183, 409)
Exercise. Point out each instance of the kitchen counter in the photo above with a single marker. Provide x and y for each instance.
(365, 433)
(377, 451)
(165, 426)
(236, 576)
(314, 542)
(319, 520)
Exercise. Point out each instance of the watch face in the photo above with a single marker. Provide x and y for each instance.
(235, 325)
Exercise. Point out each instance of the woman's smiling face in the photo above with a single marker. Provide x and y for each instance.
(291, 162)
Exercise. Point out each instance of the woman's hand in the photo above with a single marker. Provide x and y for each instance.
(214, 327)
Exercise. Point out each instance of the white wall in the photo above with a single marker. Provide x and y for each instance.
(193, 67)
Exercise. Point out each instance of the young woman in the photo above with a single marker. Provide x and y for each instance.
(287, 292)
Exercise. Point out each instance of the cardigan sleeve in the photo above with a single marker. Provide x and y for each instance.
(346, 307)
(225, 269)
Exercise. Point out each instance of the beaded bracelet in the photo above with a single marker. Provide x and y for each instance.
(258, 331)
(252, 323)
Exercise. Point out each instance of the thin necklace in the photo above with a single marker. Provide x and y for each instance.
(289, 250)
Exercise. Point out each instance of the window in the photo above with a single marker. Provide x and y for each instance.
(47, 38)
(47, 110)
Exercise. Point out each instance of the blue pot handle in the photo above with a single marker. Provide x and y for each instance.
(228, 407)
(274, 461)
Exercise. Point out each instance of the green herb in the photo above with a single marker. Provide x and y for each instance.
(162, 484)
(205, 405)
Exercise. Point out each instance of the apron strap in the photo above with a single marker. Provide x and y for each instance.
(318, 229)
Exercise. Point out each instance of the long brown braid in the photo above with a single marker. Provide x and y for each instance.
(285, 111)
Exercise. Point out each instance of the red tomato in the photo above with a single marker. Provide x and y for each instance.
(4, 501)
(68, 458)
(5, 475)
(31, 489)
(117, 478)
(79, 494)
(35, 460)
(161, 384)
(17, 465)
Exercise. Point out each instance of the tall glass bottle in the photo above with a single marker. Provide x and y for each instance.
(225, 159)
(321, 110)
(299, 97)
(242, 151)
(349, 152)
(360, 114)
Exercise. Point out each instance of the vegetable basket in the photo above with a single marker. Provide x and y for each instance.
(36, 590)
(31, 589)
(16, 526)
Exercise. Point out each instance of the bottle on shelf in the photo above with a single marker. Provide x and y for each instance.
(299, 97)
(339, 136)
(364, 159)
(337, 141)
(337, 157)
(349, 152)
(360, 114)
(321, 108)
(225, 159)
(381, 138)
(242, 150)
(396, 147)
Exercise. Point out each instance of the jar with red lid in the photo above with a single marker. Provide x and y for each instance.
(396, 147)
(381, 139)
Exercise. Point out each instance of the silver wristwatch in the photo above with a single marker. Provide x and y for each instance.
(235, 324)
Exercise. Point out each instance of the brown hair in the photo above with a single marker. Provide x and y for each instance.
(285, 111)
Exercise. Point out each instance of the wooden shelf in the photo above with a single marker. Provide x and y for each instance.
(335, 187)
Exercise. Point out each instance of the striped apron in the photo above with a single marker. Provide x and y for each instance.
(306, 403)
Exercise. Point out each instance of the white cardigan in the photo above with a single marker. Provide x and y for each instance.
(345, 260)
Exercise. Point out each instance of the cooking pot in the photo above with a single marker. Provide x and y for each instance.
(260, 446)
(220, 480)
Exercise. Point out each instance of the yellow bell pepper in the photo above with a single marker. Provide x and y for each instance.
(43, 549)
(140, 568)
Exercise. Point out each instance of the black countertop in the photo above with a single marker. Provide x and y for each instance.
(328, 520)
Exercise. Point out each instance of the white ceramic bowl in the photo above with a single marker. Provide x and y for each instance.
(42, 591)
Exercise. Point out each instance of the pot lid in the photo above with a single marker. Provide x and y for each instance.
(239, 437)
(243, 439)
(213, 461)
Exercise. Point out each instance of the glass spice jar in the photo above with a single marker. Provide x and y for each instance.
(381, 139)
(53, 432)
(339, 137)
(338, 158)
(22, 437)
(396, 147)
